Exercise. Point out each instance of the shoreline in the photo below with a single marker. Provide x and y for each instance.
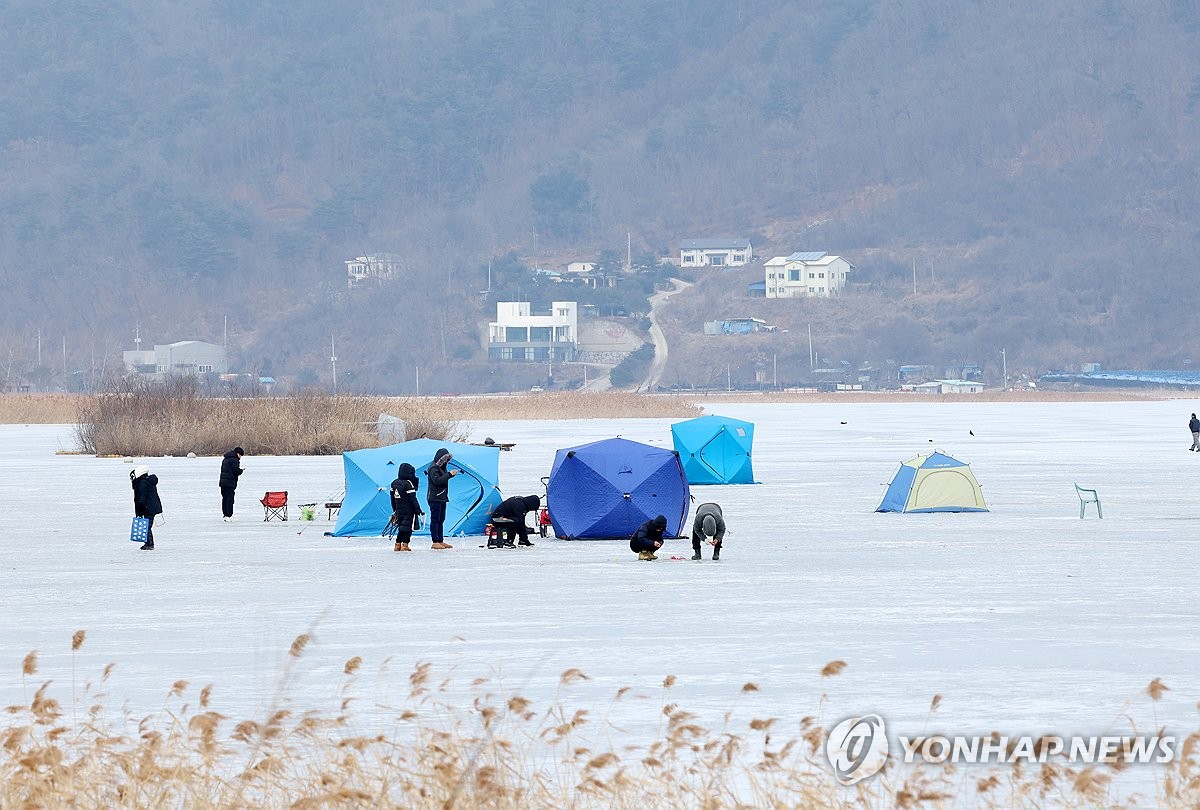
(31, 409)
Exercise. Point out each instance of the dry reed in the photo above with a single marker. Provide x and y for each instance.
(176, 419)
(551, 405)
(493, 749)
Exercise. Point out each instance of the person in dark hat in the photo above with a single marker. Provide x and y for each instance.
(648, 538)
(145, 500)
(438, 495)
(1194, 427)
(405, 506)
(231, 468)
(508, 520)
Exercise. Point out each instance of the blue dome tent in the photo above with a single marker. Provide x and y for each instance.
(715, 449)
(367, 505)
(608, 488)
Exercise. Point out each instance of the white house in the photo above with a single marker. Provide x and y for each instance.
(182, 357)
(715, 252)
(949, 387)
(581, 267)
(520, 334)
(373, 267)
(816, 274)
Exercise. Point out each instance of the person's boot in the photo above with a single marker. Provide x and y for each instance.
(441, 545)
(404, 547)
(147, 546)
(643, 555)
(716, 553)
(524, 543)
(509, 544)
(399, 547)
(696, 553)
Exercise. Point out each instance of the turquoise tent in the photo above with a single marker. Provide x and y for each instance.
(367, 505)
(715, 449)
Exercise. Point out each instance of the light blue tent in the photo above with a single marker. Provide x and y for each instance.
(715, 449)
(608, 488)
(367, 505)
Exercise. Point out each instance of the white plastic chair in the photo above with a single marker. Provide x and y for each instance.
(1087, 496)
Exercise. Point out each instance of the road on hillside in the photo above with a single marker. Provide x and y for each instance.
(656, 334)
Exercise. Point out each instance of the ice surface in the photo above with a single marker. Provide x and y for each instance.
(1025, 619)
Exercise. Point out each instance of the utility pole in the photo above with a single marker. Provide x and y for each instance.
(810, 351)
(728, 383)
(1004, 366)
(39, 347)
(64, 356)
(628, 252)
(774, 371)
(333, 362)
(418, 369)
(914, 275)
(225, 333)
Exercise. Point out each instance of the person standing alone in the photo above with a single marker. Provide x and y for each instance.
(1194, 427)
(438, 495)
(145, 500)
(708, 526)
(231, 468)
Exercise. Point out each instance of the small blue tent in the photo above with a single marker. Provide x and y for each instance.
(608, 488)
(367, 505)
(933, 482)
(715, 449)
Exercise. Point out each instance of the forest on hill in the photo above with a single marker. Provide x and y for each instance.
(203, 171)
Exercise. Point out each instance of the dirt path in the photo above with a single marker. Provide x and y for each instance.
(656, 334)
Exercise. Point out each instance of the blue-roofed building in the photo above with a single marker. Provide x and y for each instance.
(715, 252)
(806, 274)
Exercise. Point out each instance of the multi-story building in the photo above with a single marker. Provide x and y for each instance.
(182, 357)
(816, 274)
(373, 267)
(715, 252)
(518, 333)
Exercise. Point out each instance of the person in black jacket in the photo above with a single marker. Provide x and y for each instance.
(1194, 427)
(508, 519)
(405, 506)
(438, 495)
(145, 500)
(231, 468)
(648, 538)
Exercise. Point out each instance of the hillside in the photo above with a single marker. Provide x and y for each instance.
(186, 167)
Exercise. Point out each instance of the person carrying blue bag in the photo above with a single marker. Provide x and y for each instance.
(146, 503)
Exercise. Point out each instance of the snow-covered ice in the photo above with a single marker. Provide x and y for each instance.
(1025, 619)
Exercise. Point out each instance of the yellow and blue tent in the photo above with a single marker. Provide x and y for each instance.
(933, 482)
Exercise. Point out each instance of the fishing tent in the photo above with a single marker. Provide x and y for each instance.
(933, 482)
(608, 488)
(367, 505)
(715, 449)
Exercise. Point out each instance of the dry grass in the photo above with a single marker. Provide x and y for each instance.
(494, 749)
(38, 409)
(552, 405)
(175, 419)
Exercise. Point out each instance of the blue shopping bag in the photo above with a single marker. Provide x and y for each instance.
(140, 532)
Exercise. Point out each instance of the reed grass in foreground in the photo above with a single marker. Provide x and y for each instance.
(495, 750)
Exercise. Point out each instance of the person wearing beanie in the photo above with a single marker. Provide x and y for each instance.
(648, 538)
(231, 468)
(508, 519)
(405, 506)
(438, 495)
(145, 500)
(709, 526)
(1194, 427)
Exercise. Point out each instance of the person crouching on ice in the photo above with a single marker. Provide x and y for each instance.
(648, 538)
(508, 520)
(709, 526)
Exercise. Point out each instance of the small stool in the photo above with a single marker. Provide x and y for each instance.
(331, 507)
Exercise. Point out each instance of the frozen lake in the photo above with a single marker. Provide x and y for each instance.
(1025, 619)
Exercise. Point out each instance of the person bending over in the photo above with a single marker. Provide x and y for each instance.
(708, 526)
(508, 520)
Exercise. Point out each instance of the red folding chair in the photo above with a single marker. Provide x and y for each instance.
(274, 505)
